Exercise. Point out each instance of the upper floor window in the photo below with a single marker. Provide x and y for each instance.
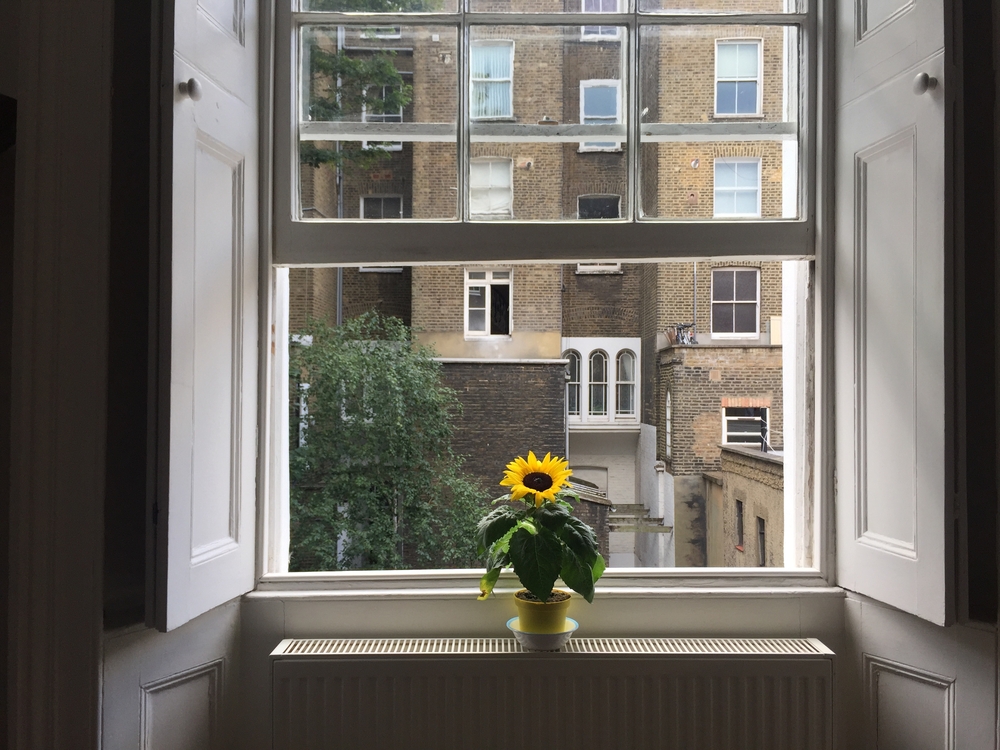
(381, 206)
(604, 372)
(597, 404)
(382, 113)
(491, 188)
(737, 78)
(600, 104)
(735, 302)
(572, 383)
(737, 187)
(744, 425)
(491, 73)
(668, 426)
(487, 302)
(597, 33)
(625, 388)
(599, 207)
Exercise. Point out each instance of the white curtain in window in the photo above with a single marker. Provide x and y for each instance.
(489, 187)
(491, 80)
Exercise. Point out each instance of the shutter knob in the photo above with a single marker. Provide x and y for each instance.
(923, 82)
(190, 88)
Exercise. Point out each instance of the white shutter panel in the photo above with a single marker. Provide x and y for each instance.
(205, 535)
(893, 506)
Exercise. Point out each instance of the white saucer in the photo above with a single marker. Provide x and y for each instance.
(542, 641)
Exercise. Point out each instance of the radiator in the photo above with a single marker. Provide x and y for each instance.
(456, 693)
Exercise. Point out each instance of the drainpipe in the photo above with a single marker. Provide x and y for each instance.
(694, 312)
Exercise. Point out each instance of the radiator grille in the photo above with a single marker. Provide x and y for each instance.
(742, 647)
(597, 694)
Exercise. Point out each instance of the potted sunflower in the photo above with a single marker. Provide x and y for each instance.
(531, 530)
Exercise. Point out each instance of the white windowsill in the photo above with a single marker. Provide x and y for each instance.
(621, 583)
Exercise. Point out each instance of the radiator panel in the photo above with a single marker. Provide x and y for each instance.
(572, 700)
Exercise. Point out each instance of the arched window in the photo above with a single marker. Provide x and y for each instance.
(598, 405)
(667, 427)
(572, 383)
(625, 392)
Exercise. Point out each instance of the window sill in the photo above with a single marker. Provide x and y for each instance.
(603, 427)
(623, 583)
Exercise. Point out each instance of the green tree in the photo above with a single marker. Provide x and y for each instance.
(375, 468)
(343, 85)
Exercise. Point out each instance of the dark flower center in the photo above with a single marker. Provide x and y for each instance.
(537, 481)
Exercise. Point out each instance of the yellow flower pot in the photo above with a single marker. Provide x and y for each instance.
(542, 617)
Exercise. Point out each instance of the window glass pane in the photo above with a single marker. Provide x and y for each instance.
(373, 111)
(746, 286)
(746, 97)
(380, 6)
(477, 297)
(355, 389)
(722, 318)
(725, 98)
(500, 309)
(477, 320)
(558, 82)
(600, 101)
(599, 207)
(722, 286)
(719, 6)
(745, 318)
(732, 109)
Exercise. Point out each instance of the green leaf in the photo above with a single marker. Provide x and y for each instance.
(580, 538)
(578, 575)
(494, 525)
(528, 525)
(487, 582)
(551, 516)
(598, 567)
(537, 559)
(499, 556)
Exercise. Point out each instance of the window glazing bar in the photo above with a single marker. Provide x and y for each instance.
(326, 18)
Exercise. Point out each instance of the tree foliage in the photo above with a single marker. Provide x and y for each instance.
(376, 471)
(343, 85)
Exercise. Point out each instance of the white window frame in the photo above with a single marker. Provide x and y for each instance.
(488, 283)
(726, 419)
(365, 117)
(621, 382)
(296, 242)
(755, 334)
(612, 347)
(602, 34)
(380, 196)
(493, 161)
(715, 190)
(668, 426)
(569, 356)
(594, 83)
(598, 269)
(509, 115)
(759, 79)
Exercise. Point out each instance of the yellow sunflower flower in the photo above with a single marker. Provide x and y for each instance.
(543, 479)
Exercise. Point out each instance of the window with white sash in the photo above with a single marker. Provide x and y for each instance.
(492, 74)
(489, 122)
